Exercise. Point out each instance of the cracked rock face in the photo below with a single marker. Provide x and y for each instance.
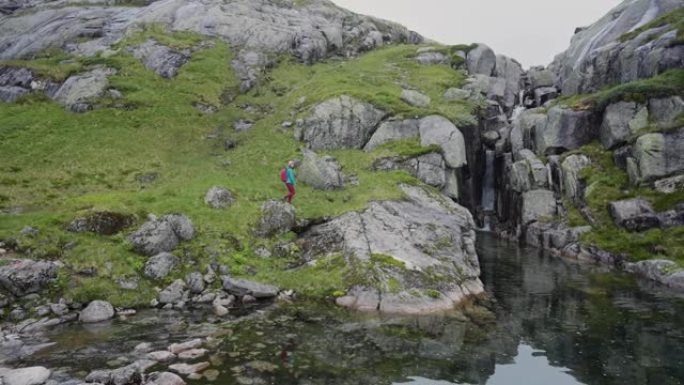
(598, 57)
(411, 256)
(310, 32)
(341, 122)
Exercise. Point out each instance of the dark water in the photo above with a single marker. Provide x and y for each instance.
(550, 322)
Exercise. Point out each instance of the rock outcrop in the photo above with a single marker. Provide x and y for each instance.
(341, 122)
(21, 277)
(604, 53)
(320, 172)
(276, 218)
(310, 32)
(163, 234)
(411, 256)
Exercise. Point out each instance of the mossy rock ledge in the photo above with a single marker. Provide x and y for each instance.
(413, 256)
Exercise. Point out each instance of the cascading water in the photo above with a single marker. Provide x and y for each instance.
(520, 106)
(488, 190)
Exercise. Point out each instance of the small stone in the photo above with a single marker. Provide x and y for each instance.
(143, 347)
(248, 299)
(192, 354)
(220, 310)
(164, 378)
(188, 368)
(161, 356)
(211, 374)
(183, 346)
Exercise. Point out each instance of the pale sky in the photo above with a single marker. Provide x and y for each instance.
(531, 31)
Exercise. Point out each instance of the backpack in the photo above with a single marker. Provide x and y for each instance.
(283, 175)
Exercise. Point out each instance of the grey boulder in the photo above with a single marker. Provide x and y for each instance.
(320, 172)
(101, 222)
(195, 282)
(241, 287)
(402, 242)
(172, 293)
(392, 130)
(218, 198)
(565, 130)
(572, 182)
(81, 90)
(481, 60)
(341, 122)
(276, 218)
(159, 58)
(164, 378)
(415, 98)
(163, 234)
(21, 277)
(657, 155)
(160, 265)
(429, 168)
(538, 205)
(96, 311)
(453, 94)
(634, 214)
(437, 130)
(34, 375)
(620, 121)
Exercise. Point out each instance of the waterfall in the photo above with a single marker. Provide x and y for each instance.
(519, 106)
(488, 189)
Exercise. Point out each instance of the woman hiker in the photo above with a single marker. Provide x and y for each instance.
(288, 176)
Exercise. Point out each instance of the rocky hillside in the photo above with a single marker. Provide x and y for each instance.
(141, 148)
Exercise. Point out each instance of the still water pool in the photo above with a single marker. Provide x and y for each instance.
(547, 321)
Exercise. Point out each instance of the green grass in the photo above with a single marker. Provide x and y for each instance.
(668, 83)
(606, 183)
(674, 19)
(407, 147)
(56, 165)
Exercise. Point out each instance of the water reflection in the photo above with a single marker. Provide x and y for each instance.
(549, 321)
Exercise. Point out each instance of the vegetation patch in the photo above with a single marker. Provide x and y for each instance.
(667, 84)
(675, 21)
(162, 155)
(607, 183)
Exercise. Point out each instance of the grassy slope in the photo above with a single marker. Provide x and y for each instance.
(606, 182)
(55, 164)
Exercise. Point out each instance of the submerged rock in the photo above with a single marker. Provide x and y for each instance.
(420, 250)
